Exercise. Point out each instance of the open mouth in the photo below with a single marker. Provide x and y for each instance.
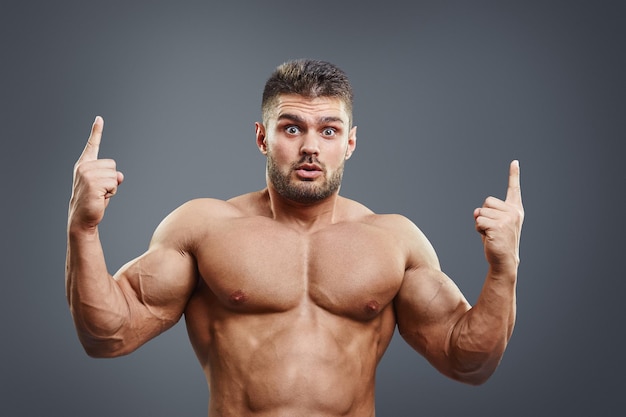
(309, 171)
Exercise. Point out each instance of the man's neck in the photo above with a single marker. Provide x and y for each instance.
(303, 216)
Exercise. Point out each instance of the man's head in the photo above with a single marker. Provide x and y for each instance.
(307, 133)
(307, 78)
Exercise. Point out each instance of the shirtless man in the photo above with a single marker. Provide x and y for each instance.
(291, 294)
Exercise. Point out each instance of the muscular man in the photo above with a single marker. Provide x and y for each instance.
(291, 294)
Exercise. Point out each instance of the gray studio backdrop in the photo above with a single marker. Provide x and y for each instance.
(447, 93)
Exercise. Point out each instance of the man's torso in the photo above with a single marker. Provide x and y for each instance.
(289, 321)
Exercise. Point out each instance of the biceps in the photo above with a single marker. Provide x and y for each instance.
(158, 284)
(427, 307)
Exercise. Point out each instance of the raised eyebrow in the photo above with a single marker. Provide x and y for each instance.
(291, 117)
(322, 120)
(331, 119)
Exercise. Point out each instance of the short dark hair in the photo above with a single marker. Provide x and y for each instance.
(308, 78)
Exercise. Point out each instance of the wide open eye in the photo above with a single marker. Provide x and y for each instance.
(292, 130)
(329, 132)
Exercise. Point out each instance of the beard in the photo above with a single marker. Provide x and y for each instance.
(303, 191)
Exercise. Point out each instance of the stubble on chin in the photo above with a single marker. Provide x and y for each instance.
(302, 191)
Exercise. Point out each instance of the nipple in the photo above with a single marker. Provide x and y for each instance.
(238, 297)
(372, 307)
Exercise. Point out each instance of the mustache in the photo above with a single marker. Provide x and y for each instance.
(308, 159)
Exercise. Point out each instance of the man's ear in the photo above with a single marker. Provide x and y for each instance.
(261, 141)
(351, 142)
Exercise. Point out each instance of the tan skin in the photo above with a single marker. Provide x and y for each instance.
(290, 306)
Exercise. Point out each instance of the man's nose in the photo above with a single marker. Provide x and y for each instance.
(310, 144)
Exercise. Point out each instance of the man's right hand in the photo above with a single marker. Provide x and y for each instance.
(95, 182)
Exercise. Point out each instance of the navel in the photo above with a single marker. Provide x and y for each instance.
(238, 297)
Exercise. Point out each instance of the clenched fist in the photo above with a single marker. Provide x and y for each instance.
(95, 182)
(500, 224)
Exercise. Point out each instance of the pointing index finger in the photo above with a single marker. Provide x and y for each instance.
(514, 191)
(93, 143)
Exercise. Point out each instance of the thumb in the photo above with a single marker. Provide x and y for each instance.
(90, 153)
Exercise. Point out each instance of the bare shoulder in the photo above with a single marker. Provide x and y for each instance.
(252, 204)
(353, 211)
(186, 225)
(409, 236)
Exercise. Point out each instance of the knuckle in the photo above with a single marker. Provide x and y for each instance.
(490, 201)
(109, 163)
(518, 215)
(79, 168)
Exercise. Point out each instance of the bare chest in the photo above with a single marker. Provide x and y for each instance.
(255, 265)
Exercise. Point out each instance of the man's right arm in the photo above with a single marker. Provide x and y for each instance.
(115, 315)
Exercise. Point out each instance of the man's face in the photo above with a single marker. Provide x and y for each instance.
(306, 141)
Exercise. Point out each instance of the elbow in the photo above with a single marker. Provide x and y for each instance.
(99, 353)
(104, 348)
(477, 368)
(100, 338)
(474, 359)
(475, 378)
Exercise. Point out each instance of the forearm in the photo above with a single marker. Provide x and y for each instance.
(479, 338)
(97, 304)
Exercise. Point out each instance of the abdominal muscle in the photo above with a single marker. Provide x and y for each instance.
(302, 362)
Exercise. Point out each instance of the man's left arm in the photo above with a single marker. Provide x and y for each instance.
(467, 343)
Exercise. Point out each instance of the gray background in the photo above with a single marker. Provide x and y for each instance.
(447, 93)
